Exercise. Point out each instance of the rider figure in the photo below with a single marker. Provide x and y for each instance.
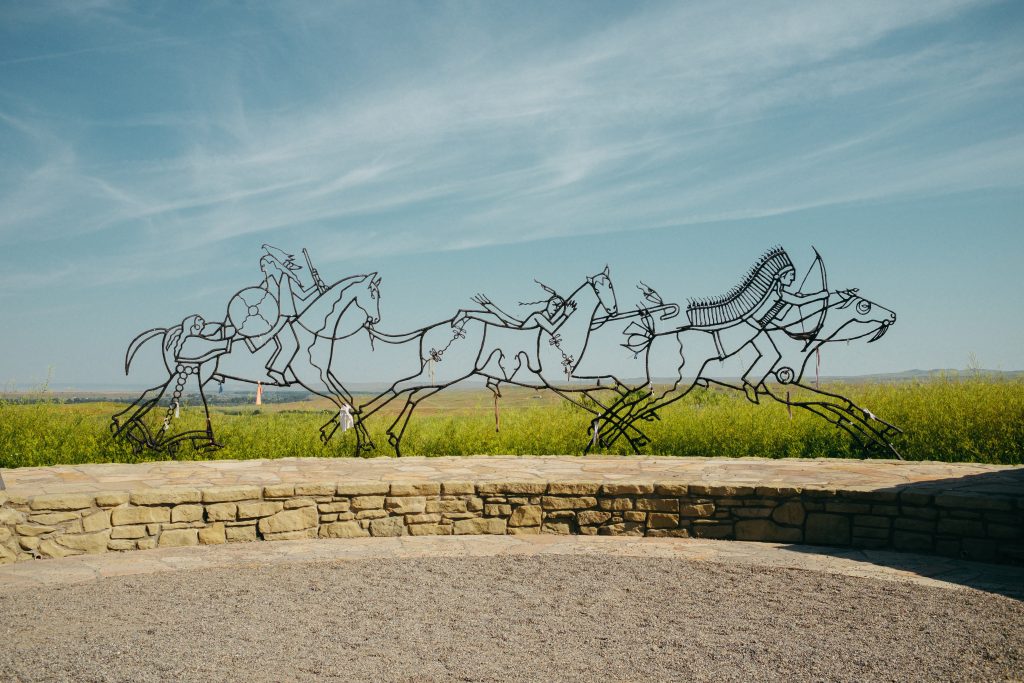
(550, 318)
(282, 284)
(765, 317)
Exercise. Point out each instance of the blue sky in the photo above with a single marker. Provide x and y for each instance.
(149, 149)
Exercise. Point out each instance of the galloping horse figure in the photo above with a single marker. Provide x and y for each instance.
(686, 352)
(499, 349)
(194, 351)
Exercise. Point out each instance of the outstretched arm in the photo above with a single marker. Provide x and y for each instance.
(798, 299)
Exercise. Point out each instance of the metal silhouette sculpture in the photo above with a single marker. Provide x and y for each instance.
(307, 323)
(292, 308)
(785, 326)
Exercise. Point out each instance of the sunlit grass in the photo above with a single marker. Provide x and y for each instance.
(952, 419)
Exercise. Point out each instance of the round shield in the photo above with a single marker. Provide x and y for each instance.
(253, 311)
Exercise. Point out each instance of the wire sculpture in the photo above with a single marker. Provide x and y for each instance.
(306, 322)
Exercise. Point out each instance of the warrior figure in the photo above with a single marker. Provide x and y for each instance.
(281, 282)
(550, 318)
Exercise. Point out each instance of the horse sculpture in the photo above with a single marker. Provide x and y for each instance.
(453, 350)
(195, 353)
(686, 353)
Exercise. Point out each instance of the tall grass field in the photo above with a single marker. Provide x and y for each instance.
(952, 419)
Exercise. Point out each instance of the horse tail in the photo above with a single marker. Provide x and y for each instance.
(138, 343)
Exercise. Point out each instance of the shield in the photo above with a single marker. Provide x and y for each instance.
(253, 311)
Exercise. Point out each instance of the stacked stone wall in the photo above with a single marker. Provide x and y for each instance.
(987, 528)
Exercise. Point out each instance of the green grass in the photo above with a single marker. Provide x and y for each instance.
(952, 419)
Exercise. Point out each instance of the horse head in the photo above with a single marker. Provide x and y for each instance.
(850, 316)
(602, 284)
(369, 301)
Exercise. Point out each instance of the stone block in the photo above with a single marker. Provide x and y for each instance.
(919, 512)
(870, 532)
(752, 512)
(515, 487)
(221, 512)
(406, 505)
(368, 503)
(445, 506)
(911, 542)
(50, 518)
(872, 520)
(707, 528)
(279, 490)
(166, 495)
(973, 502)
(343, 530)
(33, 529)
(497, 510)
(573, 488)
(590, 517)
(289, 520)
(480, 525)
(624, 488)
(559, 528)
(886, 510)
(827, 529)
(622, 529)
(107, 499)
(791, 512)
(634, 516)
(919, 525)
(176, 538)
(657, 504)
(615, 504)
(122, 516)
(458, 488)
(387, 526)
(525, 515)
(187, 513)
(264, 508)
(293, 503)
(416, 489)
(227, 494)
(213, 534)
(239, 534)
(61, 501)
(299, 534)
(340, 506)
(11, 516)
(122, 545)
(766, 531)
(133, 531)
(430, 530)
(776, 491)
(49, 548)
(1007, 531)
(29, 543)
(961, 527)
(371, 514)
(97, 521)
(668, 533)
(847, 507)
(560, 514)
(697, 510)
(429, 518)
(474, 504)
(362, 488)
(671, 489)
(662, 520)
(568, 502)
(316, 488)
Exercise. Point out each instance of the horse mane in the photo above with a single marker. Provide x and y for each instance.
(744, 297)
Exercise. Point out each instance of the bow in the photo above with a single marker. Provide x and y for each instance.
(820, 264)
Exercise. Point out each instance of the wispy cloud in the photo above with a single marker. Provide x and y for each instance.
(672, 116)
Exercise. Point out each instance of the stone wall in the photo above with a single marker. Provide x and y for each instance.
(987, 528)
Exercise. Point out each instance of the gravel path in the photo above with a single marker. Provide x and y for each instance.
(507, 618)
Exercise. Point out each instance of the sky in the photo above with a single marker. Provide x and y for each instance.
(149, 149)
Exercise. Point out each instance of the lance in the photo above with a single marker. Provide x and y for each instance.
(321, 287)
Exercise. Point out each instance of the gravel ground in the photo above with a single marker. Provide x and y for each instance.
(544, 618)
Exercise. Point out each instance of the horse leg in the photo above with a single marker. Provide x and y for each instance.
(141, 406)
